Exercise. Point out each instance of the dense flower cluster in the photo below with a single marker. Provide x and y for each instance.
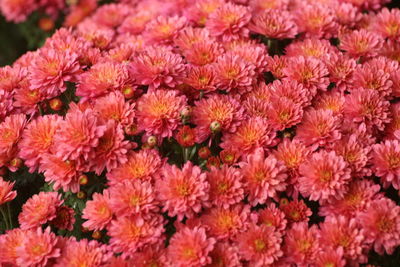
(204, 133)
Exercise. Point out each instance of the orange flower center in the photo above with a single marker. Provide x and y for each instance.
(259, 245)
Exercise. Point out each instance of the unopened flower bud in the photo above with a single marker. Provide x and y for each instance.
(46, 24)
(56, 104)
(128, 92)
(83, 179)
(96, 235)
(16, 163)
(81, 195)
(204, 152)
(152, 141)
(215, 126)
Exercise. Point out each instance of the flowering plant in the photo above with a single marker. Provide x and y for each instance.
(205, 133)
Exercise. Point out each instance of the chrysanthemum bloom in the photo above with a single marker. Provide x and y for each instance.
(224, 254)
(98, 211)
(316, 20)
(132, 233)
(261, 5)
(224, 109)
(157, 66)
(65, 218)
(256, 103)
(10, 133)
(330, 257)
(301, 244)
(186, 136)
(111, 15)
(271, 216)
(183, 192)
(260, 245)
(318, 128)
(140, 165)
(381, 222)
(102, 78)
(226, 223)
(234, 73)
(263, 176)
(38, 248)
(27, 100)
(226, 186)
(366, 105)
(340, 231)
(163, 29)
(158, 112)
(78, 134)
(360, 43)
(277, 64)
(324, 176)
(386, 162)
(387, 23)
(310, 72)
(340, 68)
(203, 53)
(250, 135)
(310, 48)
(133, 197)
(154, 255)
(17, 10)
(255, 54)
(283, 113)
(9, 242)
(291, 90)
(229, 22)
(37, 139)
(201, 78)
(394, 125)
(11, 77)
(6, 193)
(357, 199)
(190, 247)
(6, 103)
(190, 36)
(201, 9)
(99, 36)
(274, 23)
(296, 211)
(395, 77)
(333, 100)
(82, 253)
(51, 69)
(39, 209)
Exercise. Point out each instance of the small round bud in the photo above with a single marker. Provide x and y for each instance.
(96, 235)
(83, 179)
(84, 229)
(186, 112)
(215, 126)
(284, 201)
(16, 163)
(128, 92)
(81, 195)
(46, 24)
(204, 152)
(56, 104)
(152, 141)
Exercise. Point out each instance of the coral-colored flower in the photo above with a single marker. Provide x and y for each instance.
(386, 162)
(6, 193)
(229, 22)
(255, 54)
(387, 23)
(296, 211)
(360, 43)
(142, 165)
(324, 176)
(275, 23)
(98, 211)
(333, 100)
(65, 218)
(154, 255)
(37, 139)
(394, 125)
(190, 247)
(38, 248)
(201, 78)
(111, 15)
(163, 29)
(27, 100)
(291, 90)
(283, 113)
(39, 209)
(330, 257)
(226, 186)
(135, 22)
(224, 254)
(9, 242)
(186, 136)
(158, 112)
(183, 191)
(10, 133)
(17, 10)
(277, 64)
(340, 68)
(201, 9)
(6, 104)
(261, 245)
(223, 109)
(313, 47)
(381, 222)
(261, 5)
(203, 53)
(132, 233)
(271, 216)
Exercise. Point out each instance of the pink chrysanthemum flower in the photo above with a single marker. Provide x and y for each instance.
(6, 193)
(38, 248)
(6, 104)
(263, 176)
(324, 176)
(224, 254)
(257, 101)
(190, 247)
(111, 15)
(133, 197)
(344, 232)
(394, 125)
(10, 133)
(158, 112)
(275, 23)
(316, 20)
(158, 66)
(9, 242)
(386, 162)
(51, 69)
(78, 135)
(346, 14)
(65, 218)
(260, 245)
(183, 191)
(315, 48)
(301, 244)
(202, 53)
(27, 100)
(296, 211)
(163, 29)
(201, 78)
(17, 10)
(381, 222)
(234, 73)
(102, 78)
(330, 257)
(136, 22)
(142, 165)
(318, 128)
(82, 253)
(291, 90)
(340, 68)
(190, 36)
(98, 211)
(39, 209)
(132, 233)
(310, 72)
(333, 100)
(11, 77)
(99, 36)
(387, 23)
(229, 22)
(357, 199)
(226, 186)
(224, 109)
(360, 43)
(37, 139)
(283, 113)
(365, 105)
(254, 54)
(271, 216)
(250, 135)
(261, 5)
(154, 255)
(201, 9)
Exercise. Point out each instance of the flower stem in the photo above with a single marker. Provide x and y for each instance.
(9, 215)
(4, 218)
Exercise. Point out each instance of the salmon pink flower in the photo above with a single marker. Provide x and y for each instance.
(98, 211)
